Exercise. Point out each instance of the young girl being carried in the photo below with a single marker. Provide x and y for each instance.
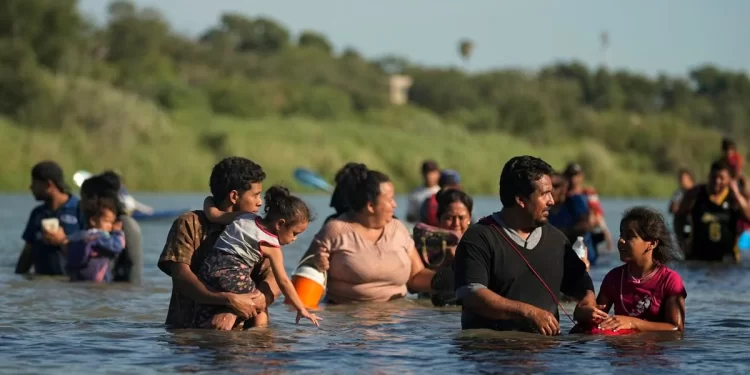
(90, 252)
(646, 294)
(245, 242)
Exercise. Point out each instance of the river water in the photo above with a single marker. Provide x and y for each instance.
(52, 326)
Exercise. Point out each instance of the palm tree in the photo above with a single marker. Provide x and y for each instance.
(465, 47)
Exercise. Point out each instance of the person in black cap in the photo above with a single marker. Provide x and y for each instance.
(50, 222)
(430, 176)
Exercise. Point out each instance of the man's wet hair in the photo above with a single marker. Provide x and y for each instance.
(234, 173)
(519, 177)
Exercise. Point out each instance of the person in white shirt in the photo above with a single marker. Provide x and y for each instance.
(430, 176)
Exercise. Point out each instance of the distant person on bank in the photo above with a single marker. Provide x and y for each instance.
(512, 265)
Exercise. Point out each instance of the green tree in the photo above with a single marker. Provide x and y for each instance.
(50, 27)
(312, 39)
(136, 40)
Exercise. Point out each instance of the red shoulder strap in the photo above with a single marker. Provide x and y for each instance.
(514, 247)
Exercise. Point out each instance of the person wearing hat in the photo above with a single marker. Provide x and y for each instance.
(449, 179)
(45, 239)
(430, 187)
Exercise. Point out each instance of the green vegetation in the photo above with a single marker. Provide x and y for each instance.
(162, 109)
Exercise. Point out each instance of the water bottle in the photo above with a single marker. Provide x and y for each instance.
(579, 247)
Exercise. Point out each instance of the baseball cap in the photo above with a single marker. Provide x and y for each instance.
(573, 169)
(429, 166)
(449, 177)
(50, 171)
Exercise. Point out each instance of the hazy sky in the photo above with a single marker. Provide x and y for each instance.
(648, 36)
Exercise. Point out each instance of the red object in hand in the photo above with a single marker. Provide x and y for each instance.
(594, 330)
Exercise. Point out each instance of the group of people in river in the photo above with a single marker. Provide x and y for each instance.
(507, 270)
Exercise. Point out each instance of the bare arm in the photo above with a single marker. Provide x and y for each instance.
(675, 316)
(216, 215)
(681, 218)
(741, 199)
(493, 306)
(420, 279)
(277, 266)
(25, 260)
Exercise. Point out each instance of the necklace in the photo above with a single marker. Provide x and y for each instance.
(643, 279)
(637, 281)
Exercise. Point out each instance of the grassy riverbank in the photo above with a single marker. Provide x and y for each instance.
(135, 95)
(179, 156)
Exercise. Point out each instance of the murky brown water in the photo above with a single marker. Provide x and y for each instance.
(51, 326)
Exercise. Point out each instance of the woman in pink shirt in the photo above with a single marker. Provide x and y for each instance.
(369, 255)
(646, 294)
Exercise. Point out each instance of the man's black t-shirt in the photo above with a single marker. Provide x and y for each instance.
(485, 259)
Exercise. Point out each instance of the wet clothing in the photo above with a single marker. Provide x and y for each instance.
(90, 253)
(226, 273)
(48, 260)
(641, 300)
(360, 270)
(190, 239)
(485, 259)
(714, 227)
(227, 268)
(128, 267)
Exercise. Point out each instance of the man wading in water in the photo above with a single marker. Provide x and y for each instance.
(236, 184)
(511, 265)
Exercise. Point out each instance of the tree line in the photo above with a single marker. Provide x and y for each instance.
(253, 67)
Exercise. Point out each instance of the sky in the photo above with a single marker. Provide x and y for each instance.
(650, 37)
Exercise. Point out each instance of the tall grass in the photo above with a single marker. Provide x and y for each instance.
(180, 156)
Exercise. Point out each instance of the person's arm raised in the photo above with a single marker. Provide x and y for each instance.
(215, 215)
(742, 202)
